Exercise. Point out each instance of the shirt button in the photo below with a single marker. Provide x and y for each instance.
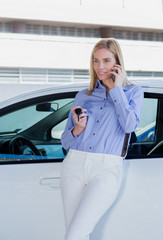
(97, 121)
(100, 107)
(90, 147)
(104, 99)
(115, 101)
(93, 134)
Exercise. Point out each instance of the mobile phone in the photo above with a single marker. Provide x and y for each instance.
(112, 76)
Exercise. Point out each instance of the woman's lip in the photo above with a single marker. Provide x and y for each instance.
(101, 73)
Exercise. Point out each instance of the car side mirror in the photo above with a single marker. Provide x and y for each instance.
(47, 107)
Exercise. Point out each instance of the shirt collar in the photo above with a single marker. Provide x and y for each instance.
(98, 84)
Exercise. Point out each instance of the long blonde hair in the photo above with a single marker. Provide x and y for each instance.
(112, 45)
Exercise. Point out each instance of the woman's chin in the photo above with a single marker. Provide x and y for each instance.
(105, 80)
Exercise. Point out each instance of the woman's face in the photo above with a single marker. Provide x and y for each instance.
(103, 62)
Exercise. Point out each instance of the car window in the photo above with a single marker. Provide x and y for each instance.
(58, 129)
(147, 139)
(20, 120)
(33, 132)
(24, 118)
(146, 129)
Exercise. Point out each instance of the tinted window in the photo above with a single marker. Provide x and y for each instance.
(147, 140)
(146, 129)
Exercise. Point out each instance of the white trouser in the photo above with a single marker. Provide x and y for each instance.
(89, 185)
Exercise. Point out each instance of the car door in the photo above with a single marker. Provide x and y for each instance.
(30, 202)
(137, 213)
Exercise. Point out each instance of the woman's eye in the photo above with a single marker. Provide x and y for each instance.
(95, 60)
(107, 60)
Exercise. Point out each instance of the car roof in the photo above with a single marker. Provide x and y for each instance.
(155, 86)
(43, 92)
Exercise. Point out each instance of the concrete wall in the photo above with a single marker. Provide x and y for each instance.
(18, 50)
(137, 14)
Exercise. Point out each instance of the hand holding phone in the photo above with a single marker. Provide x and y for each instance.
(112, 75)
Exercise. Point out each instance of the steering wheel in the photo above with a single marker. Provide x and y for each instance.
(21, 141)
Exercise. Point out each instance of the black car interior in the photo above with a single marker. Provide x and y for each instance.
(147, 148)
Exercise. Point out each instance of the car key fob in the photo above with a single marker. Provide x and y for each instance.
(78, 111)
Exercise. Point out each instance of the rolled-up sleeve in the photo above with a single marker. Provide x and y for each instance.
(67, 139)
(129, 109)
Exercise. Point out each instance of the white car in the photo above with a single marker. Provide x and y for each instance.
(30, 159)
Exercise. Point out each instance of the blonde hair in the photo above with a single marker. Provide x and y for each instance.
(112, 45)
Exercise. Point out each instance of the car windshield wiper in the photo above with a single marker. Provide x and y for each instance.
(11, 132)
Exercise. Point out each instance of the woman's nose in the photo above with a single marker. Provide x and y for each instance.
(101, 64)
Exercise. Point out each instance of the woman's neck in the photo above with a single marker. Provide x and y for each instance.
(106, 87)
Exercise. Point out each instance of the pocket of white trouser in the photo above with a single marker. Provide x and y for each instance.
(111, 177)
(66, 160)
(112, 160)
(69, 165)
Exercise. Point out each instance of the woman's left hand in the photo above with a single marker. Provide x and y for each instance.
(119, 77)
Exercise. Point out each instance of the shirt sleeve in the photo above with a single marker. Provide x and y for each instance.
(67, 138)
(128, 109)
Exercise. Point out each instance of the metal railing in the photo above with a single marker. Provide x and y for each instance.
(55, 76)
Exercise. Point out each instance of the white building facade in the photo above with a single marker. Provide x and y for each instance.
(50, 42)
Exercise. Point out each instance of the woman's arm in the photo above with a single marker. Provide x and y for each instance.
(128, 110)
(74, 126)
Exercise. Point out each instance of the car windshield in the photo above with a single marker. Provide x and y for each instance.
(20, 120)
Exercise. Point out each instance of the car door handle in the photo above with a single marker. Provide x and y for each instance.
(50, 182)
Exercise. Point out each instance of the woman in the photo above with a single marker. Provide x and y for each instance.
(95, 136)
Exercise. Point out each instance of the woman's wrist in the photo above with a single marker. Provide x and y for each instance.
(77, 130)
